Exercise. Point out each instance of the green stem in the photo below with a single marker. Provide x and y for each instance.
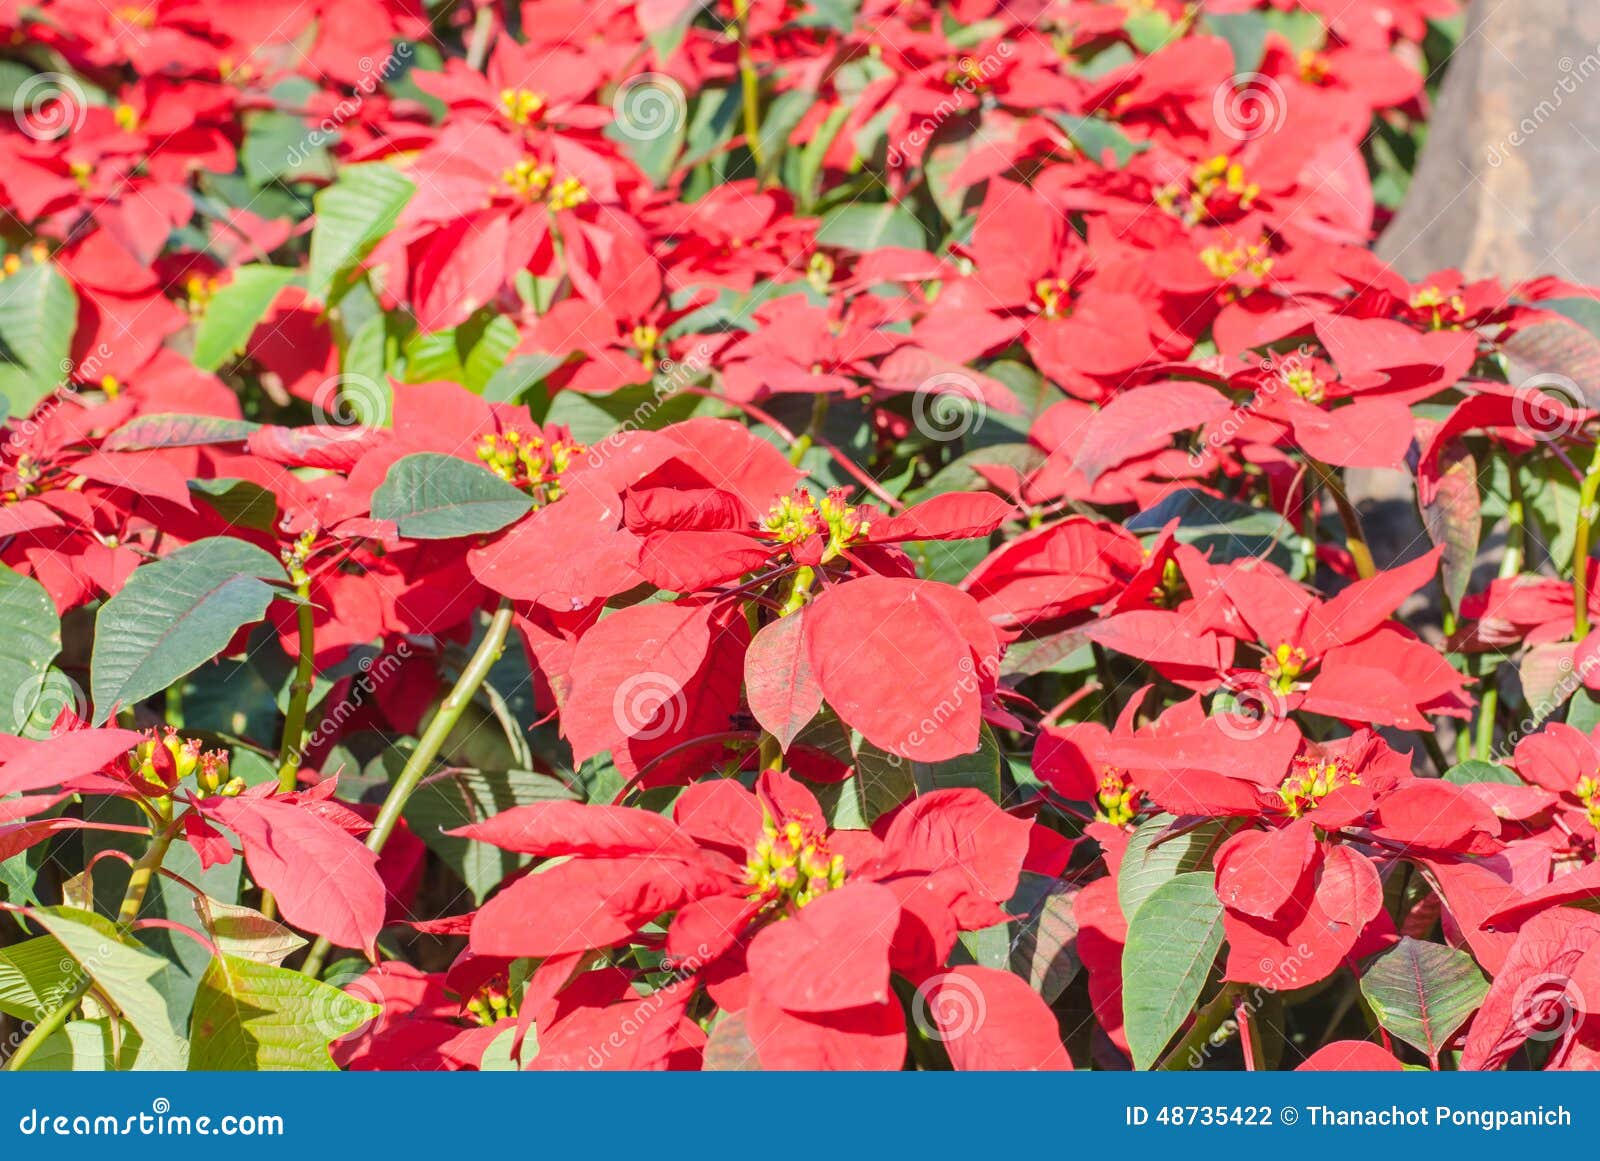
(294, 726)
(139, 880)
(749, 83)
(1580, 548)
(819, 414)
(1486, 714)
(428, 747)
(1516, 528)
(1355, 536)
(1206, 1022)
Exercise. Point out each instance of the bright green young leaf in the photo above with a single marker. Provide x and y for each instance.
(438, 497)
(234, 311)
(31, 640)
(34, 974)
(1172, 940)
(256, 1017)
(1423, 992)
(38, 313)
(125, 974)
(352, 215)
(90, 1046)
(174, 615)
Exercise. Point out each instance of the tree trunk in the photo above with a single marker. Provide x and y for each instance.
(1505, 183)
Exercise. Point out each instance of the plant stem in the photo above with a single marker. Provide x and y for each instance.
(1206, 1022)
(1580, 548)
(1516, 528)
(292, 749)
(749, 83)
(1355, 536)
(819, 415)
(482, 34)
(139, 880)
(1486, 714)
(428, 747)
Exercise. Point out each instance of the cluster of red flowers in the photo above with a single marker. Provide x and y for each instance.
(761, 534)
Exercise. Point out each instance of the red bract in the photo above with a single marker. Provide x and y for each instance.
(792, 924)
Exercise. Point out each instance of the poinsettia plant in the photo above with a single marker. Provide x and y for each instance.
(704, 534)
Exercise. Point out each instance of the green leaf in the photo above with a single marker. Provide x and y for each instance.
(280, 146)
(438, 497)
(978, 771)
(38, 313)
(352, 215)
(1423, 992)
(234, 311)
(1472, 770)
(364, 373)
(34, 975)
(1246, 34)
(1583, 311)
(881, 782)
(1044, 943)
(593, 417)
(1583, 711)
(242, 503)
(89, 1046)
(811, 157)
(488, 355)
(868, 227)
(125, 973)
(31, 640)
(174, 615)
(1229, 530)
(1150, 30)
(1148, 863)
(1172, 940)
(256, 1017)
